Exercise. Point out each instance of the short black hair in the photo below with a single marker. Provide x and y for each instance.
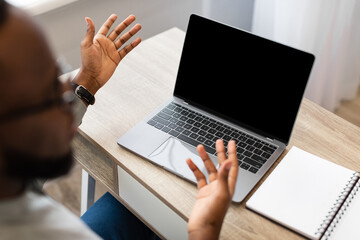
(3, 12)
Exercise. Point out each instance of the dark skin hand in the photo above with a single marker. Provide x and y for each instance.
(214, 198)
(102, 53)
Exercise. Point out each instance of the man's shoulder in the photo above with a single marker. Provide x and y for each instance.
(39, 217)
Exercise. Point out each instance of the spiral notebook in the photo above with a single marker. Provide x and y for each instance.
(311, 196)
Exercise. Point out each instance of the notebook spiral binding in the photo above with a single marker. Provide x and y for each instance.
(334, 215)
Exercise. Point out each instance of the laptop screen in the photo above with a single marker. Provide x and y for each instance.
(251, 81)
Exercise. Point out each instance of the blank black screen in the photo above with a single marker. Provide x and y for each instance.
(249, 80)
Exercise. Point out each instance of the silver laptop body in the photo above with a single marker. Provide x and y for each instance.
(231, 84)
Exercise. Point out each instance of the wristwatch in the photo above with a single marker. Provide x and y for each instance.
(84, 94)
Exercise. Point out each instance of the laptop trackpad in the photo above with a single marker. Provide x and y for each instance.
(172, 154)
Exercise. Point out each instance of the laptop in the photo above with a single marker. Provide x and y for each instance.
(230, 84)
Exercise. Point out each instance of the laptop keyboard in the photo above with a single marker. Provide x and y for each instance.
(195, 129)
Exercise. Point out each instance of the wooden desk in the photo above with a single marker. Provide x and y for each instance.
(143, 81)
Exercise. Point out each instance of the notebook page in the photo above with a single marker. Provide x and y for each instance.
(348, 225)
(300, 191)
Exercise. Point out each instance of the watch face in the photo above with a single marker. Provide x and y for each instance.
(84, 94)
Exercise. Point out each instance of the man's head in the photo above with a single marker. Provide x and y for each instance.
(36, 127)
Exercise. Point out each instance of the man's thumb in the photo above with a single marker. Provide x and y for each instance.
(90, 33)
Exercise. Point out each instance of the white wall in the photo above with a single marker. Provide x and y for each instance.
(237, 13)
(65, 26)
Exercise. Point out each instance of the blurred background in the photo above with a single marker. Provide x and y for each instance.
(329, 29)
(63, 20)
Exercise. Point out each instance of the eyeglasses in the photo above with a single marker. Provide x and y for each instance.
(65, 101)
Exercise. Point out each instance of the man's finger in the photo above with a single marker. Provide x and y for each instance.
(233, 177)
(121, 27)
(220, 150)
(209, 165)
(200, 177)
(234, 168)
(107, 25)
(125, 50)
(123, 39)
(223, 175)
(232, 150)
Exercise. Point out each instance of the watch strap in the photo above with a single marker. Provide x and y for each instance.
(83, 93)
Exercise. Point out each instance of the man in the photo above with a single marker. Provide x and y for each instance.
(37, 126)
